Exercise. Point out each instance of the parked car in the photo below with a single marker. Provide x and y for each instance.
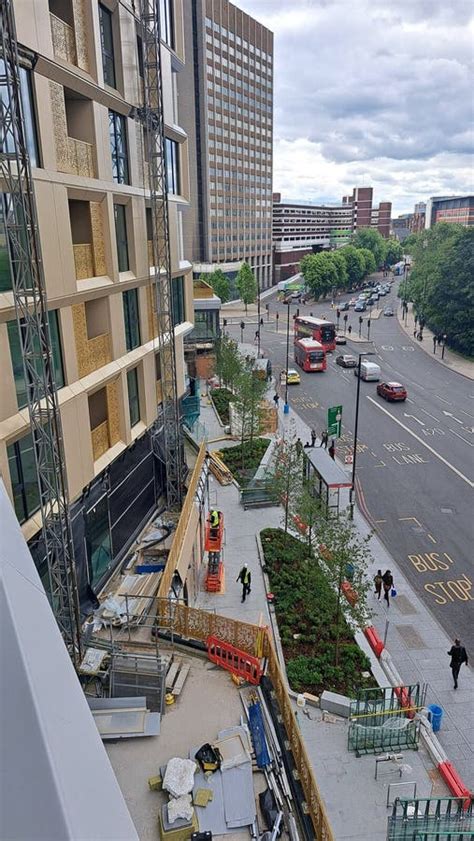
(392, 391)
(388, 311)
(361, 306)
(293, 377)
(341, 340)
(346, 360)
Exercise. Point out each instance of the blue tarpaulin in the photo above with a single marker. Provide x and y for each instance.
(258, 734)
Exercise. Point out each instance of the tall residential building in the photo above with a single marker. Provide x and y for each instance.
(226, 96)
(457, 209)
(82, 83)
(301, 228)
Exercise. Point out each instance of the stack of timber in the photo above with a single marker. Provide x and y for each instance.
(135, 595)
(219, 469)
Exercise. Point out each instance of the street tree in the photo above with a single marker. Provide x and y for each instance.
(249, 390)
(355, 264)
(229, 362)
(393, 252)
(369, 260)
(320, 273)
(287, 475)
(220, 284)
(344, 556)
(247, 285)
(341, 269)
(373, 240)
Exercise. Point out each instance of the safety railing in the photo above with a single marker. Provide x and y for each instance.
(81, 157)
(83, 260)
(100, 440)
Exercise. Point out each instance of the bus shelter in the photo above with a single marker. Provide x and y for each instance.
(331, 483)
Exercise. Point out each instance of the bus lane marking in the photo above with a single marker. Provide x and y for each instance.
(460, 436)
(423, 443)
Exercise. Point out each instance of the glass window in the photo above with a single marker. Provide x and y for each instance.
(133, 396)
(178, 313)
(17, 357)
(172, 165)
(21, 461)
(99, 546)
(107, 44)
(131, 318)
(118, 147)
(28, 113)
(166, 22)
(5, 272)
(121, 237)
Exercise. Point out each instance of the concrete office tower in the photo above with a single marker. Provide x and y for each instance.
(457, 210)
(81, 80)
(226, 96)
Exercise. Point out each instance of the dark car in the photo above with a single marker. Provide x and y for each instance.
(360, 306)
(392, 391)
(346, 360)
(344, 307)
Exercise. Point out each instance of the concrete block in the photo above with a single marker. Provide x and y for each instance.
(334, 703)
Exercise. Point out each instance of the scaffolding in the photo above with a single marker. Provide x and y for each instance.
(383, 719)
(167, 440)
(431, 819)
(31, 307)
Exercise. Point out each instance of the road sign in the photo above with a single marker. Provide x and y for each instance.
(348, 458)
(334, 421)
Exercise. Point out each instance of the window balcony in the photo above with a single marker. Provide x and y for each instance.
(73, 127)
(87, 239)
(64, 40)
(104, 419)
(100, 440)
(80, 157)
(68, 31)
(93, 348)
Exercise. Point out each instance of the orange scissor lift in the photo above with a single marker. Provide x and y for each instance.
(213, 544)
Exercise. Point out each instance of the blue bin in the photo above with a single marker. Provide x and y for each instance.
(435, 714)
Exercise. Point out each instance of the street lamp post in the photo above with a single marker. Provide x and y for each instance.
(286, 408)
(356, 429)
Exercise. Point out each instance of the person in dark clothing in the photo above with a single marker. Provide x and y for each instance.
(378, 581)
(299, 447)
(332, 449)
(458, 655)
(313, 437)
(245, 578)
(324, 439)
(387, 582)
(276, 398)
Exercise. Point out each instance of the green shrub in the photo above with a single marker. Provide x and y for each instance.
(221, 397)
(249, 455)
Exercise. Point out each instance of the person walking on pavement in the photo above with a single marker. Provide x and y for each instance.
(313, 437)
(378, 581)
(245, 578)
(458, 655)
(332, 449)
(276, 398)
(387, 582)
(324, 439)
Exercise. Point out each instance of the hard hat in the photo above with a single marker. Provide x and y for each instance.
(245, 565)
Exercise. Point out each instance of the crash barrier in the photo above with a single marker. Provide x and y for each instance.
(234, 660)
(455, 783)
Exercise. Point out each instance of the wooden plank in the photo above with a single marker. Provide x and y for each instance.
(180, 681)
(171, 676)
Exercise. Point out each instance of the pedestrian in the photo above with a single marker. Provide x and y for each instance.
(387, 583)
(349, 329)
(299, 447)
(414, 333)
(458, 655)
(261, 322)
(378, 581)
(276, 399)
(245, 578)
(257, 335)
(324, 439)
(332, 449)
(313, 437)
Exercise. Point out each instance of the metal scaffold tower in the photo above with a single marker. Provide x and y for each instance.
(29, 293)
(153, 119)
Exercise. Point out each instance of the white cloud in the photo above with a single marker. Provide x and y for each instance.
(372, 90)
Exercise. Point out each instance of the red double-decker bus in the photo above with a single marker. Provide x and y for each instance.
(307, 327)
(310, 355)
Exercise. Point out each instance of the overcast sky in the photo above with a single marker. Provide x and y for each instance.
(371, 92)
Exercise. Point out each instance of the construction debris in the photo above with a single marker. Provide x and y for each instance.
(179, 776)
(180, 807)
(202, 796)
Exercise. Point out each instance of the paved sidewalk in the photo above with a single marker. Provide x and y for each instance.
(451, 360)
(355, 801)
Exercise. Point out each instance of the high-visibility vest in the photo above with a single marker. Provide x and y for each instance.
(246, 578)
(214, 519)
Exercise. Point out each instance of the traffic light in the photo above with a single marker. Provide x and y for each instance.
(338, 314)
(345, 318)
(360, 319)
(224, 322)
(242, 325)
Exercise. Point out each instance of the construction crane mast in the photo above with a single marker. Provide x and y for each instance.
(152, 117)
(29, 294)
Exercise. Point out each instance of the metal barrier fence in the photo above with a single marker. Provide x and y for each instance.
(180, 533)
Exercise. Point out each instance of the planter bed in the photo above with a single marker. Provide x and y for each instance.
(305, 607)
(253, 452)
(221, 397)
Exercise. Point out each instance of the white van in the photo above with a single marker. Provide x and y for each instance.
(368, 371)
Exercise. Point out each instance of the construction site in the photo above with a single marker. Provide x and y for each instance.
(142, 698)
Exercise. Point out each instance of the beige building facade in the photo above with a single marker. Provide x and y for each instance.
(82, 83)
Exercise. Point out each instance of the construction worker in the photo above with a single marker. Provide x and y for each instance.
(214, 519)
(245, 578)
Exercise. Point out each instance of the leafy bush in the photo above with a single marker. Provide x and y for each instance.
(305, 604)
(221, 397)
(243, 460)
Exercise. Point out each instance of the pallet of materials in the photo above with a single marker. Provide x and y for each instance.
(219, 469)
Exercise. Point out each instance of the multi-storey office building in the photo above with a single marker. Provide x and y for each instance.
(226, 96)
(82, 82)
(451, 209)
(301, 228)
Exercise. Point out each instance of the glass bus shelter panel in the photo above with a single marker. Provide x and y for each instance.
(383, 719)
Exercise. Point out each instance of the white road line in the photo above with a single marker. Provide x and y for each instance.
(460, 436)
(423, 443)
(444, 401)
(430, 416)
(466, 413)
